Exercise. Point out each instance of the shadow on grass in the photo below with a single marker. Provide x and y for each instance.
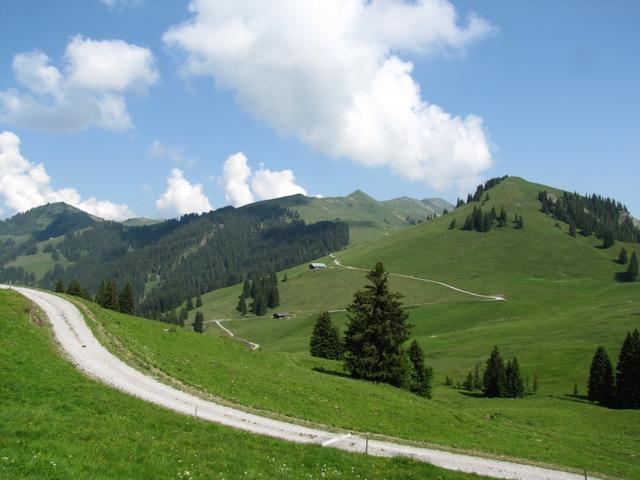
(471, 394)
(335, 373)
(622, 277)
(575, 398)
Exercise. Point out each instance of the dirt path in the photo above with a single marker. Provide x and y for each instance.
(499, 298)
(84, 350)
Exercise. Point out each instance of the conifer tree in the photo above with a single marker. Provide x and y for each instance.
(468, 382)
(452, 225)
(246, 289)
(190, 304)
(628, 372)
(513, 385)
(325, 339)
(184, 314)
(623, 256)
(572, 229)
(607, 239)
(421, 375)
(198, 301)
(259, 306)
(126, 299)
(376, 331)
(632, 270)
(198, 323)
(242, 305)
(74, 288)
(601, 386)
(285, 278)
(59, 288)
(477, 381)
(494, 375)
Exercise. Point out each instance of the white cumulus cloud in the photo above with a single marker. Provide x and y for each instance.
(182, 197)
(24, 185)
(89, 89)
(242, 186)
(332, 73)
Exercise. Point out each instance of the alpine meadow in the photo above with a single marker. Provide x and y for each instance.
(188, 291)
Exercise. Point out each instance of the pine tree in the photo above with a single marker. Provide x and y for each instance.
(513, 386)
(601, 386)
(189, 304)
(452, 225)
(628, 372)
(421, 375)
(74, 288)
(246, 289)
(632, 270)
(59, 288)
(494, 375)
(259, 306)
(242, 305)
(112, 300)
(607, 239)
(126, 299)
(198, 323)
(623, 256)
(325, 339)
(477, 381)
(376, 330)
(198, 301)
(273, 296)
(502, 219)
(468, 382)
(184, 314)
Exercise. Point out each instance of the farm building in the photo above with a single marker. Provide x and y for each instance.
(317, 266)
(281, 315)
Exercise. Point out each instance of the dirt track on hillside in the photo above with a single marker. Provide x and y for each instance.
(84, 350)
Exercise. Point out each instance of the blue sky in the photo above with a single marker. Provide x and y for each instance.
(551, 87)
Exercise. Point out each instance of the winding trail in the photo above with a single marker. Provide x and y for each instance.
(83, 349)
(498, 298)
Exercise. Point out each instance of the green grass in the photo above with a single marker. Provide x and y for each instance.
(41, 262)
(562, 303)
(548, 428)
(56, 423)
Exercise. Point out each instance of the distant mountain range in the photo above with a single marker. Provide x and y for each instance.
(169, 260)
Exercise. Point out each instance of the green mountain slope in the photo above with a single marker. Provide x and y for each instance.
(47, 221)
(56, 423)
(367, 217)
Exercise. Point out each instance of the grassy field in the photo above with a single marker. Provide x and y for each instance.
(547, 428)
(562, 302)
(41, 262)
(56, 423)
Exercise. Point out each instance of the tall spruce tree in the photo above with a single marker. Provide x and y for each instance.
(189, 304)
(623, 256)
(376, 330)
(198, 323)
(513, 385)
(59, 288)
(198, 301)
(246, 289)
(494, 375)
(421, 374)
(628, 372)
(75, 288)
(601, 385)
(632, 270)
(126, 299)
(325, 339)
(477, 380)
(242, 305)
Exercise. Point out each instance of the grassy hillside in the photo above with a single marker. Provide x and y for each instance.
(367, 217)
(56, 423)
(551, 429)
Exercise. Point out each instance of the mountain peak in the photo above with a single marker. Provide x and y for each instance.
(360, 195)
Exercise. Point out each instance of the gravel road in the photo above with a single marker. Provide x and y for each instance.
(84, 350)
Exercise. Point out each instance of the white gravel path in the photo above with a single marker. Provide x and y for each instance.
(498, 298)
(84, 350)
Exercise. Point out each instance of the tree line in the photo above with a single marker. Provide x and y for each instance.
(592, 214)
(263, 291)
(621, 390)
